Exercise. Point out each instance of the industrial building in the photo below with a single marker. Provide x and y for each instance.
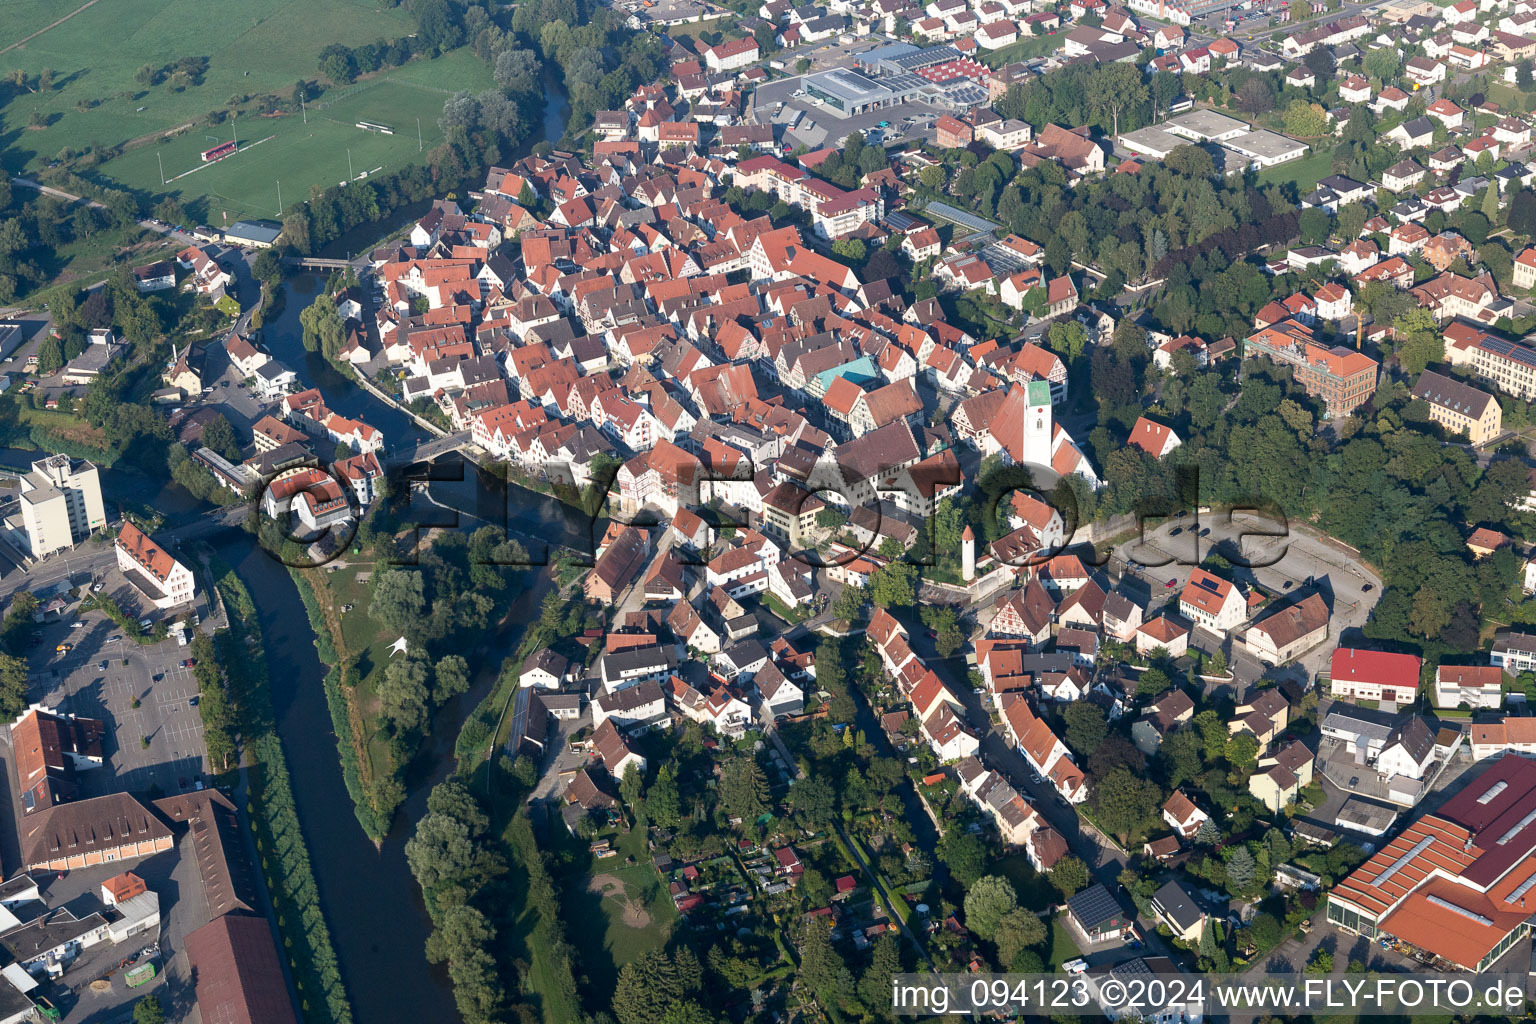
(1454, 884)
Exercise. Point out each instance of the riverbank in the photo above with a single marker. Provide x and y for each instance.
(378, 923)
(284, 855)
(341, 699)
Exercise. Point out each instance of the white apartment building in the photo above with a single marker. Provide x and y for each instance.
(164, 582)
(60, 504)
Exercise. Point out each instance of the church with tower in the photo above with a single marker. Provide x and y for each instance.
(1026, 432)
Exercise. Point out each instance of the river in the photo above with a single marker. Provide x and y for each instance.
(379, 925)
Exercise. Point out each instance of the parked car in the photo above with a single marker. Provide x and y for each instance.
(187, 663)
(76, 625)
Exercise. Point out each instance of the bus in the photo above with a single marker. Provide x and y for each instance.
(218, 152)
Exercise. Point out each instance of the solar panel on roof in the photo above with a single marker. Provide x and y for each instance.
(1463, 911)
(1403, 861)
(1493, 791)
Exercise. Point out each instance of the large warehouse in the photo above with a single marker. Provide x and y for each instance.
(1454, 883)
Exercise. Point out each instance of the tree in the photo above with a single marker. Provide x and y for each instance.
(814, 798)
(1086, 727)
(1114, 89)
(148, 1011)
(451, 676)
(744, 789)
(1314, 225)
(987, 900)
(446, 848)
(1320, 62)
(517, 70)
(399, 601)
(1383, 63)
(663, 802)
(403, 697)
(646, 988)
(1522, 212)
(1070, 876)
(1125, 803)
(1153, 682)
(13, 685)
(324, 330)
(964, 855)
(1307, 120)
(1240, 870)
(1256, 95)
(268, 267)
(220, 436)
(630, 787)
(1264, 929)
(884, 961)
(1016, 932)
(822, 968)
(1242, 751)
(893, 585)
(50, 356)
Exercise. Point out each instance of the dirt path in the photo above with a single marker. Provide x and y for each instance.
(56, 24)
(610, 887)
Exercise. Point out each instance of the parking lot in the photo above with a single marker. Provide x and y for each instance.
(837, 127)
(100, 677)
(1162, 560)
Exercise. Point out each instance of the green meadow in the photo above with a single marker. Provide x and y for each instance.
(254, 48)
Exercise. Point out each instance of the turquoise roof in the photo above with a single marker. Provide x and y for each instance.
(860, 371)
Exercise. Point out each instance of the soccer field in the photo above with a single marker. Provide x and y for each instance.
(254, 48)
(287, 150)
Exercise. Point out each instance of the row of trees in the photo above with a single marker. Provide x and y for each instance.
(454, 858)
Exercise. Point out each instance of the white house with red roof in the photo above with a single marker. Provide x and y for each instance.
(1374, 675)
(1153, 438)
(1181, 815)
(162, 580)
(728, 56)
(1212, 602)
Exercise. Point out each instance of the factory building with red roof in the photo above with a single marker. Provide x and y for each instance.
(1457, 884)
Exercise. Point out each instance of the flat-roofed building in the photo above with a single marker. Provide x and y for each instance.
(60, 504)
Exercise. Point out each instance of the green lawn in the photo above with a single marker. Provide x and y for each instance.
(1306, 172)
(268, 47)
(1035, 890)
(1024, 49)
(605, 947)
(520, 943)
(1062, 947)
